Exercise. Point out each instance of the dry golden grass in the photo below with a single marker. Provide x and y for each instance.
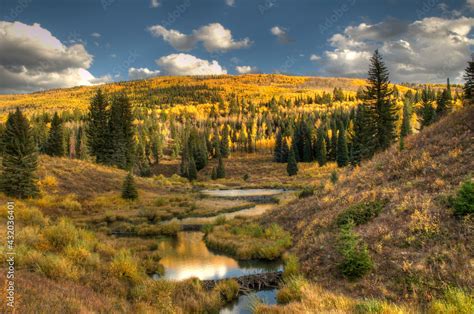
(419, 248)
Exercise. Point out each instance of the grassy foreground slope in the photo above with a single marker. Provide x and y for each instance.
(418, 247)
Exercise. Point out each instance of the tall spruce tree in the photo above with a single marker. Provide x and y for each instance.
(129, 190)
(292, 166)
(342, 157)
(55, 143)
(192, 170)
(19, 161)
(220, 171)
(428, 113)
(382, 108)
(97, 128)
(321, 150)
(225, 142)
(120, 145)
(469, 85)
(363, 140)
(277, 152)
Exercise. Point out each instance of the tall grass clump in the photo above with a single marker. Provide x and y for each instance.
(454, 301)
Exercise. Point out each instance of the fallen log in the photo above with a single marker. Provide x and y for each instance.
(254, 282)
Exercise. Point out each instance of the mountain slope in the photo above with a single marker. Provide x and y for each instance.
(417, 245)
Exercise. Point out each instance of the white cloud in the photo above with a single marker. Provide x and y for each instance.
(470, 3)
(230, 3)
(176, 39)
(430, 49)
(246, 69)
(141, 73)
(31, 59)
(314, 57)
(185, 64)
(155, 3)
(214, 37)
(96, 35)
(280, 33)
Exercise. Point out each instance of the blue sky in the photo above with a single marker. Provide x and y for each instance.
(328, 38)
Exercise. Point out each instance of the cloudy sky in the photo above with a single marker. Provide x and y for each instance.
(49, 44)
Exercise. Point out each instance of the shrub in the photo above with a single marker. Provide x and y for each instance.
(463, 202)
(291, 290)
(307, 192)
(56, 267)
(124, 266)
(454, 301)
(334, 177)
(228, 289)
(360, 213)
(356, 261)
(62, 234)
(292, 266)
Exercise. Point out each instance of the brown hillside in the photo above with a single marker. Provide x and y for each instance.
(416, 244)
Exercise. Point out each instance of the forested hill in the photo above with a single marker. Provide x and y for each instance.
(401, 204)
(167, 91)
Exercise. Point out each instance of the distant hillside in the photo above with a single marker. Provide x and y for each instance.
(184, 90)
(417, 245)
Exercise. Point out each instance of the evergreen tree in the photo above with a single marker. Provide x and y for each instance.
(321, 151)
(129, 190)
(220, 172)
(469, 85)
(98, 127)
(55, 143)
(192, 170)
(19, 159)
(285, 151)
(277, 152)
(214, 174)
(378, 98)
(120, 144)
(342, 152)
(292, 166)
(80, 153)
(364, 140)
(225, 142)
(428, 113)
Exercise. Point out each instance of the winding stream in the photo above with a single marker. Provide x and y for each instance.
(187, 255)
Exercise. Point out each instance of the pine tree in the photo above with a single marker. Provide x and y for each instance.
(192, 170)
(428, 113)
(79, 144)
(97, 128)
(285, 151)
(214, 174)
(55, 143)
(342, 152)
(129, 190)
(364, 140)
(321, 150)
(277, 152)
(469, 85)
(19, 161)
(292, 166)
(120, 146)
(225, 142)
(381, 107)
(220, 172)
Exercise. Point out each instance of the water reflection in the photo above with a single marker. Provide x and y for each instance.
(187, 256)
(249, 212)
(244, 303)
(242, 192)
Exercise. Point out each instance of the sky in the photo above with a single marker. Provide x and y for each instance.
(50, 44)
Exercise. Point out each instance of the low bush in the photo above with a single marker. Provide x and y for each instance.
(62, 234)
(291, 291)
(360, 213)
(307, 192)
(57, 267)
(455, 300)
(124, 266)
(228, 289)
(356, 261)
(292, 266)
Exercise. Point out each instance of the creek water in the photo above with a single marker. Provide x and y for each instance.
(187, 255)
